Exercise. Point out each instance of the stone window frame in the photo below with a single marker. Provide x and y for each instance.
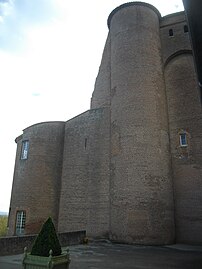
(183, 139)
(24, 150)
(20, 222)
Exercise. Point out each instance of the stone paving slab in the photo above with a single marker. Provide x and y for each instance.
(105, 255)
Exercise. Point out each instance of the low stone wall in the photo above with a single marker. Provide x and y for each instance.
(16, 244)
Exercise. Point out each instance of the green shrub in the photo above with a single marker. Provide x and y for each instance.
(3, 225)
(46, 240)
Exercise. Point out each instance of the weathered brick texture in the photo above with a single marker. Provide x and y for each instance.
(142, 207)
(84, 198)
(16, 244)
(36, 184)
(118, 170)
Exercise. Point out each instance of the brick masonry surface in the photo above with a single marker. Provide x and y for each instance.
(118, 170)
(16, 244)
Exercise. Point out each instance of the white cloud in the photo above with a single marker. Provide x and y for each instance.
(6, 8)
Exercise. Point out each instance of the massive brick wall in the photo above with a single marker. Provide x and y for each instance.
(84, 202)
(121, 161)
(185, 115)
(141, 187)
(179, 41)
(36, 183)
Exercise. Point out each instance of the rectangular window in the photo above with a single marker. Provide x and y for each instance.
(24, 151)
(20, 222)
(186, 30)
(183, 140)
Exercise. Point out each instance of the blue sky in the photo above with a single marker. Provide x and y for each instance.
(50, 52)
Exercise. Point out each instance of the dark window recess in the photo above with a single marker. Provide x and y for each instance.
(186, 29)
(171, 32)
(85, 143)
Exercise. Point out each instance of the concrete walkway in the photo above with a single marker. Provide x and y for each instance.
(104, 255)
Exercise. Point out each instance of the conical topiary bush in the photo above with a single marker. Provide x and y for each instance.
(47, 240)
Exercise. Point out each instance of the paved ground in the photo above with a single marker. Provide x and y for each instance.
(104, 255)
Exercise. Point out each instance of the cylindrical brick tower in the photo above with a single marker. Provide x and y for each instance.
(141, 185)
(36, 183)
(185, 122)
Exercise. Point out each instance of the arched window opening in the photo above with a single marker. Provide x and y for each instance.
(171, 32)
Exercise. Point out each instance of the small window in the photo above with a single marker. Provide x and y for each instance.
(186, 30)
(171, 32)
(85, 143)
(183, 140)
(20, 222)
(24, 151)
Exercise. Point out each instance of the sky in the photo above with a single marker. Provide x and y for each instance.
(50, 52)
